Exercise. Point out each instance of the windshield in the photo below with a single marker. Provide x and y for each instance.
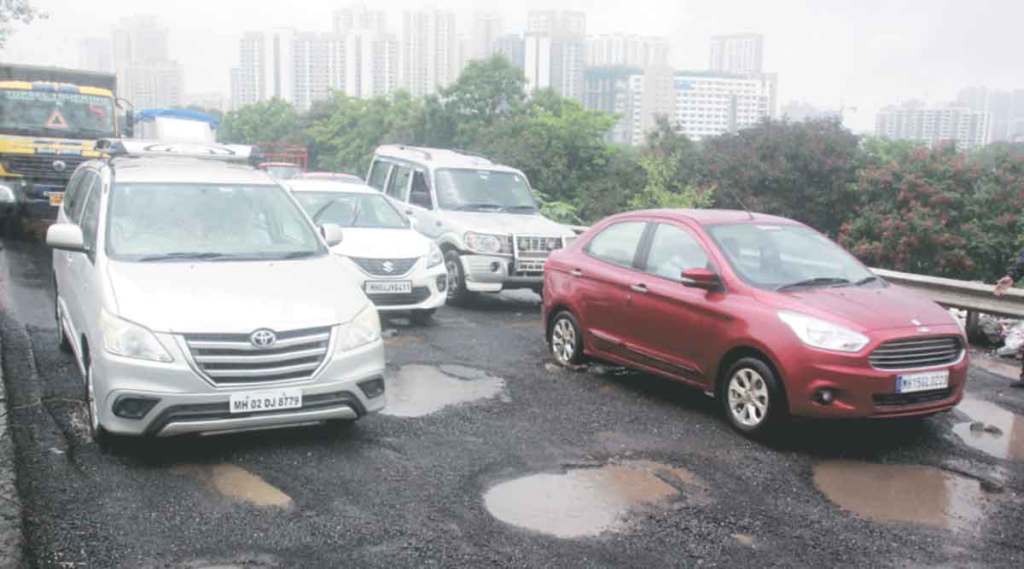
(484, 190)
(787, 257)
(163, 222)
(351, 210)
(56, 114)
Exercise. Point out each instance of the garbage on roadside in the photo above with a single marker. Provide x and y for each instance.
(1012, 340)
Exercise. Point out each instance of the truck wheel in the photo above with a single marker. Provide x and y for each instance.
(457, 293)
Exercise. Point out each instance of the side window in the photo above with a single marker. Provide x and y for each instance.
(70, 191)
(674, 250)
(398, 186)
(618, 243)
(379, 174)
(91, 217)
(74, 210)
(420, 193)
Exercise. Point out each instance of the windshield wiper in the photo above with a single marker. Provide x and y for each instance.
(816, 281)
(530, 208)
(472, 206)
(185, 256)
(294, 255)
(867, 280)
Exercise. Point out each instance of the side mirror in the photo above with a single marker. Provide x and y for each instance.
(701, 278)
(65, 237)
(332, 234)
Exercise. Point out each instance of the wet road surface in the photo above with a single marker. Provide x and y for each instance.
(492, 456)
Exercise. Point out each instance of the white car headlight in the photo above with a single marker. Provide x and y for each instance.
(362, 330)
(435, 257)
(129, 340)
(823, 335)
(488, 244)
(7, 194)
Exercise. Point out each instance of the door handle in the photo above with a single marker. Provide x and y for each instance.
(640, 287)
(576, 273)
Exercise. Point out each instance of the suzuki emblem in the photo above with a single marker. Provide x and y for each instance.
(388, 266)
(59, 165)
(263, 338)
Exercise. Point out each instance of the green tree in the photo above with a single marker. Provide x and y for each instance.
(14, 12)
(486, 92)
(799, 170)
(265, 122)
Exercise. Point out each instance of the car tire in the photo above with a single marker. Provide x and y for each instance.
(62, 339)
(753, 398)
(457, 293)
(423, 317)
(565, 339)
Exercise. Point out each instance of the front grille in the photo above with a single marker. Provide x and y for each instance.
(917, 353)
(232, 358)
(39, 167)
(385, 267)
(418, 295)
(901, 399)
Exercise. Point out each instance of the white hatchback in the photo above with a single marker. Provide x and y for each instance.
(400, 270)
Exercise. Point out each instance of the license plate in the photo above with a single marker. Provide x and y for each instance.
(259, 401)
(388, 287)
(926, 381)
(56, 198)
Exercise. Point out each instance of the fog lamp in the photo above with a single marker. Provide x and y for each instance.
(131, 407)
(372, 388)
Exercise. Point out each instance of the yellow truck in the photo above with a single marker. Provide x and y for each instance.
(50, 119)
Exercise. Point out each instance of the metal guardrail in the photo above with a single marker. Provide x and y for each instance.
(970, 296)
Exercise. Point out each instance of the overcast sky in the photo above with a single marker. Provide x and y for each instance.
(861, 54)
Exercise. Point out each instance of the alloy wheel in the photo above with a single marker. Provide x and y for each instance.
(748, 397)
(563, 341)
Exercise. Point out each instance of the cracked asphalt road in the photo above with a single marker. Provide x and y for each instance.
(408, 491)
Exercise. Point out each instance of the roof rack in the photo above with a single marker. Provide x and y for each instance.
(473, 155)
(155, 148)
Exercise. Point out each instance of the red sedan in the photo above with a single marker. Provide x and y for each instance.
(764, 313)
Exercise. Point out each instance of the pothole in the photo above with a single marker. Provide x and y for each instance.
(586, 502)
(237, 484)
(991, 429)
(906, 493)
(419, 390)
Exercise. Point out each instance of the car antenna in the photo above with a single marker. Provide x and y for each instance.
(742, 205)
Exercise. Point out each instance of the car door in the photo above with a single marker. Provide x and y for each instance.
(73, 198)
(80, 292)
(602, 276)
(672, 323)
(421, 206)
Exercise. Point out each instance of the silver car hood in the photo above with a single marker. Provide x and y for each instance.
(235, 297)
(507, 223)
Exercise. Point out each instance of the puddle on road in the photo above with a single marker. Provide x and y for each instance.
(908, 493)
(419, 390)
(237, 484)
(1006, 441)
(588, 501)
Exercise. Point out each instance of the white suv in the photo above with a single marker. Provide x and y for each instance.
(198, 297)
(483, 216)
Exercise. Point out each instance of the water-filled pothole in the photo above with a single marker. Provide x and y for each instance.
(418, 390)
(992, 429)
(237, 484)
(589, 501)
(907, 493)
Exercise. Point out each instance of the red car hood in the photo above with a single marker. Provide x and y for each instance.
(868, 308)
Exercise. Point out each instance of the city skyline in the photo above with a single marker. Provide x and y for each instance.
(861, 61)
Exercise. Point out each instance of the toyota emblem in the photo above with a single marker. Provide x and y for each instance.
(263, 338)
(388, 266)
(59, 165)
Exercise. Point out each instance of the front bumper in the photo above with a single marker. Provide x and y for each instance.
(188, 403)
(862, 391)
(429, 289)
(492, 273)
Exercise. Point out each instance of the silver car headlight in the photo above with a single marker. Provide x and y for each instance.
(488, 244)
(822, 334)
(130, 340)
(436, 257)
(362, 330)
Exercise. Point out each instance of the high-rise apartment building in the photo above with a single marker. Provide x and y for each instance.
(485, 34)
(146, 75)
(1006, 109)
(96, 54)
(513, 48)
(628, 50)
(359, 17)
(371, 63)
(555, 52)
(266, 68)
(737, 53)
(934, 125)
(430, 53)
(710, 104)
(611, 89)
